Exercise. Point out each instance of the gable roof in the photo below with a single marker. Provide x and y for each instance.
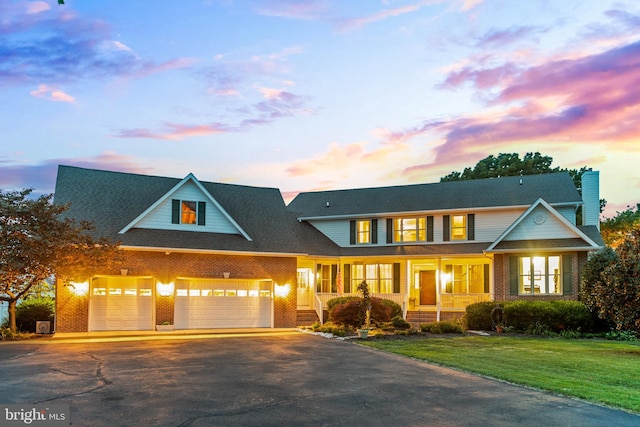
(575, 240)
(555, 188)
(114, 200)
(188, 178)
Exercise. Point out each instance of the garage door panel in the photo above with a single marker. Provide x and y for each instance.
(121, 303)
(222, 304)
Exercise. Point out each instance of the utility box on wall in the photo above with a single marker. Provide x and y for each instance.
(43, 327)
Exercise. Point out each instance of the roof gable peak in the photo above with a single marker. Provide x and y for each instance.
(190, 178)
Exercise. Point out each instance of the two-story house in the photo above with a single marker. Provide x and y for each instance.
(203, 255)
(436, 248)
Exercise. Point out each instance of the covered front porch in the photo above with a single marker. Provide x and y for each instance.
(432, 285)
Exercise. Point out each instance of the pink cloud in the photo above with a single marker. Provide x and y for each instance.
(337, 157)
(595, 98)
(499, 38)
(356, 23)
(173, 131)
(52, 94)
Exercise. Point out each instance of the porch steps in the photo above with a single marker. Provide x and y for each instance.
(306, 317)
(417, 318)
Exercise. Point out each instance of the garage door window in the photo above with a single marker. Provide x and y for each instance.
(115, 291)
(99, 291)
(145, 292)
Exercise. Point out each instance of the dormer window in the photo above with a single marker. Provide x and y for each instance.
(188, 212)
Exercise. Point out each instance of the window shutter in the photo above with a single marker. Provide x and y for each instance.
(430, 228)
(396, 277)
(175, 211)
(374, 231)
(346, 278)
(486, 278)
(514, 275)
(471, 227)
(334, 275)
(352, 232)
(202, 212)
(389, 230)
(567, 274)
(446, 228)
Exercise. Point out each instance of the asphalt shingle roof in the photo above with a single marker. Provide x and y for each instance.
(113, 199)
(556, 188)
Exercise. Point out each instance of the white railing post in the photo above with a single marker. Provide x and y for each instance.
(317, 305)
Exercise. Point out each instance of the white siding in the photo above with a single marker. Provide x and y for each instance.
(540, 224)
(569, 212)
(160, 217)
(490, 225)
(336, 230)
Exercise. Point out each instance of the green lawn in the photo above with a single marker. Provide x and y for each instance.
(607, 372)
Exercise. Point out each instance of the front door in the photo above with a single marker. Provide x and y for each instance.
(428, 287)
(304, 288)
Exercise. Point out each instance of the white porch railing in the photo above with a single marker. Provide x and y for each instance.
(461, 301)
(318, 307)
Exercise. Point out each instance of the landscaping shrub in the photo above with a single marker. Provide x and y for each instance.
(531, 316)
(396, 310)
(31, 310)
(340, 300)
(400, 323)
(351, 312)
(441, 328)
(478, 315)
(552, 316)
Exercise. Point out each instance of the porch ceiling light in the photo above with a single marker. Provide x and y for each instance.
(281, 290)
(165, 289)
(79, 288)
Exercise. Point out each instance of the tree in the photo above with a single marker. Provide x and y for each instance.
(37, 242)
(505, 165)
(511, 165)
(610, 283)
(615, 230)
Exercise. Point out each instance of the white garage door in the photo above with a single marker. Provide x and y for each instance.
(228, 303)
(121, 304)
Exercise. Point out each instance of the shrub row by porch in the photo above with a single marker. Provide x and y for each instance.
(348, 311)
(522, 315)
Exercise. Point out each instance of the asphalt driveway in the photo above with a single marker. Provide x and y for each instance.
(284, 379)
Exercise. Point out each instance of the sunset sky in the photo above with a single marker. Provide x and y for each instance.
(316, 95)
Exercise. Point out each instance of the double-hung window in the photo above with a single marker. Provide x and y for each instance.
(188, 212)
(363, 232)
(410, 229)
(540, 275)
(381, 278)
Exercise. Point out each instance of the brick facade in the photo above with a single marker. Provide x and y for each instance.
(502, 274)
(73, 310)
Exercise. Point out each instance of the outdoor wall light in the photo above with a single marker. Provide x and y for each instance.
(281, 290)
(165, 289)
(79, 288)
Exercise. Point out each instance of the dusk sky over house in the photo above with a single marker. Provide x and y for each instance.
(318, 95)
